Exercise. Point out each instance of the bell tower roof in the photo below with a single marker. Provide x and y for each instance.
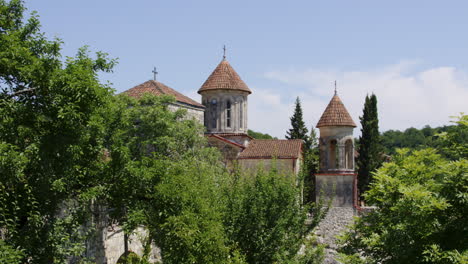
(336, 114)
(224, 77)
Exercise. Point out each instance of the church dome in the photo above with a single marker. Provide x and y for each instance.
(335, 114)
(224, 77)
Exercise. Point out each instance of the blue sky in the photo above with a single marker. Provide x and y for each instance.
(412, 54)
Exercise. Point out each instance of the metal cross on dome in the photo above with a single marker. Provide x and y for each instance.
(154, 73)
(224, 52)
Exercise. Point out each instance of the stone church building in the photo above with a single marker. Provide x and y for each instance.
(224, 112)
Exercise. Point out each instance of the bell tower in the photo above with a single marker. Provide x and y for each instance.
(336, 177)
(224, 95)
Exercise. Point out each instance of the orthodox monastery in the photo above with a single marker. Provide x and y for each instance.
(224, 113)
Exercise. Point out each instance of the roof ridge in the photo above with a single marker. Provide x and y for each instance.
(159, 88)
(335, 114)
(224, 77)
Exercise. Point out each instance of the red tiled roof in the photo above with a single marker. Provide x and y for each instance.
(157, 88)
(272, 148)
(224, 77)
(336, 114)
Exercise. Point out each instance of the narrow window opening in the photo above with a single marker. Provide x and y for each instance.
(228, 113)
(332, 155)
(213, 113)
(349, 154)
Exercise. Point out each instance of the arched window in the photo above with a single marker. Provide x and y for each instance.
(349, 154)
(214, 111)
(228, 113)
(332, 155)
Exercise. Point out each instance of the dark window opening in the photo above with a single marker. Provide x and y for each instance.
(228, 114)
(213, 113)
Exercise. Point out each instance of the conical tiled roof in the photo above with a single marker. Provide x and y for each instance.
(336, 114)
(224, 77)
(157, 88)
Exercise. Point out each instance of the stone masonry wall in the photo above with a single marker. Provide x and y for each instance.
(334, 223)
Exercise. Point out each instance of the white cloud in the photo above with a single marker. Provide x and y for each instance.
(407, 96)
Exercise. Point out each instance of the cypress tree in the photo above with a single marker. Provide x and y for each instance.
(311, 166)
(298, 130)
(370, 148)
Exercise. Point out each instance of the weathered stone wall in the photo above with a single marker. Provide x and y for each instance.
(114, 246)
(335, 222)
(283, 165)
(336, 187)
(107, 244)
(192, 112)
(228, 151)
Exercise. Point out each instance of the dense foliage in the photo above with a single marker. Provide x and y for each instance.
(70, 150)
(50, 131)
(265, 220)
(414, 138)
(370, 149)
(310, 167)
(162, 176)
(422, 208)
(259, 135)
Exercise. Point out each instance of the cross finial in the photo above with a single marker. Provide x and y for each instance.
(154, 73)
(335, 89)
(224, 52)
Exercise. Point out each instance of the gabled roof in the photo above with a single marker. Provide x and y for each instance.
(336, 114)
(224, 77)
(157, 88)
(272, 148)
(226, 141)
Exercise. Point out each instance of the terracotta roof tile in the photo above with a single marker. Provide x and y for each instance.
(269, 148)
(224, 77)
(336, 114)
(157, 88)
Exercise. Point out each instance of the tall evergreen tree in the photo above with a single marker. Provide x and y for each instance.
(311, 166)
(370, 148)
(298, 130)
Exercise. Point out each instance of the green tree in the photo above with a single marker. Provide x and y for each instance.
(370, 149)
(265, 220)
(258, 135)
(421, 210)
(298, 130)
(453, 143)
(311, 166)
(50, 138)
(163, 176)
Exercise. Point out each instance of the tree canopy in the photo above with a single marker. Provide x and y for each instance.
(50, 138)
(421, 201)
(259, 135)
